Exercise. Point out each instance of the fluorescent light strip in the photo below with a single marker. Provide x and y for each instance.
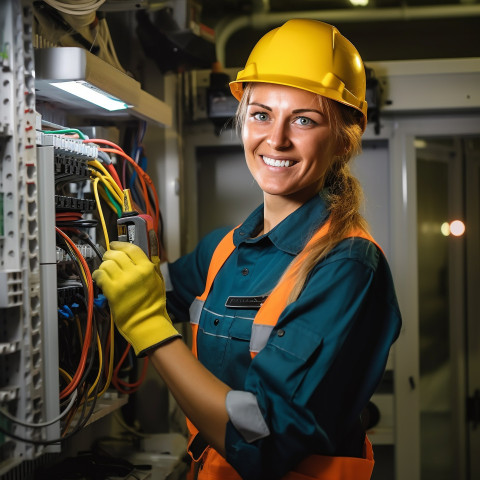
(92, 94)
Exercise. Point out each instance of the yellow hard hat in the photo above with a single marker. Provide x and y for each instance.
(310, 55)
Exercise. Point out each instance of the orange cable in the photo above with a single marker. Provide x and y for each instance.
(88, 331)
(144, 177)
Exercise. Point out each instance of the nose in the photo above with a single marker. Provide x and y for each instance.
(278, 138)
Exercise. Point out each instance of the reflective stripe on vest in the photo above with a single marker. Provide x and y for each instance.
(314, 467)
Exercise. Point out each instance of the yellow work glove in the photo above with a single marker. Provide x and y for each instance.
(135, 291)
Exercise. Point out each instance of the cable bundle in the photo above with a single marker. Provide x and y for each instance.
(93, 356)
(76, 7)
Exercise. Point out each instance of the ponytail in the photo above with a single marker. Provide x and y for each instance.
(343, 191)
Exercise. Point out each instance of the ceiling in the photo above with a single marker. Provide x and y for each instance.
(383, 30)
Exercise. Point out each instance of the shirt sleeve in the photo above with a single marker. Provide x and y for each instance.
(320, 366)
(188, 275)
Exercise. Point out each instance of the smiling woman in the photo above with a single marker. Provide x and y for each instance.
(288, 146)
(294, 311)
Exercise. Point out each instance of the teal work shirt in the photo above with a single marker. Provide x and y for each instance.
(326, 355)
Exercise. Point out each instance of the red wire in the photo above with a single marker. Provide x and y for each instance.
(119, 383)
(68, 216)
(88, 331)
(144, 177)
(110, 167)
(114, 174)
(104, 142)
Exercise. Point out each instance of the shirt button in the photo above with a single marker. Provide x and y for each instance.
(281, 332)
(216, 321)
(245, 272)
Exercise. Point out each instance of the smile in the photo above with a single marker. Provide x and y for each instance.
(277, 163)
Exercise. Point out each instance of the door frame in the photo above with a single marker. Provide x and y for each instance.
(404, 262)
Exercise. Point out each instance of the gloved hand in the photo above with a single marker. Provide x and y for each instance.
(135, 291)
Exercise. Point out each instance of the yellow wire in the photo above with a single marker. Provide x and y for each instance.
(109, 202)
(106, 173)
(100, 212)
(110, 360)
(109, 183)
(100, 367)
(65, 374)
(79, 328)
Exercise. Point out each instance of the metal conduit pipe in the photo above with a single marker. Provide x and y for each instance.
(226, 28)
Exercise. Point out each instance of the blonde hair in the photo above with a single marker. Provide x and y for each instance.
(343, 191)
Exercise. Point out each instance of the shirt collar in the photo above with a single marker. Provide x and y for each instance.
(291, 234)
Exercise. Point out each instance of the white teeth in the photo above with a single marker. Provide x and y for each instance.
(277, 163)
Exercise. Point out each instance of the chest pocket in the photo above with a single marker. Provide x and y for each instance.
(223, 341)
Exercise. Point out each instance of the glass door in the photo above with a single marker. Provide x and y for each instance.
(472, 206)
(447, 232)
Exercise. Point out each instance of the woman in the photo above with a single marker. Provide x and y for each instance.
(298, 310)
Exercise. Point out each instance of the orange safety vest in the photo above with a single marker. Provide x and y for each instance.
(314, 467)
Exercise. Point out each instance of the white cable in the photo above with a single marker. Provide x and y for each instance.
(76, 7)
(43, 424)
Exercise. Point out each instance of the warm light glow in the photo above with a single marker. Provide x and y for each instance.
(92, 94)
(457, 228)
(445, 229)
(359, 3)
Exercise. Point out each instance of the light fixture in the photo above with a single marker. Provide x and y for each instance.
(455, 228)
(79, 81)
(359, 3)
(92, 94)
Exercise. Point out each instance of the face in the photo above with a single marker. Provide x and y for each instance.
(287, 141)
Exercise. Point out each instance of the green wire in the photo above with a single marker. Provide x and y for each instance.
(67, 130)
(114, 202)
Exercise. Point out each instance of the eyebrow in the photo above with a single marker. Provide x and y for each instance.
(299, 110)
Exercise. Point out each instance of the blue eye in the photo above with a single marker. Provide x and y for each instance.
(261, 116)
(304, 121)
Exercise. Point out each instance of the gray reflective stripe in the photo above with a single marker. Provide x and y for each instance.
(260, 336)
(166, 276)
(195, 310)
(244, 413)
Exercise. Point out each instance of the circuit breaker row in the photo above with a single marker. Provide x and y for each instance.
(21, 386)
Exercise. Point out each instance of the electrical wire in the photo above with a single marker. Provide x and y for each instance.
(41, 424)
(76, 7)
(144, 179)
(109, 183)
(66, 131)
(82, 421)
(109, 372)
(100, 367)
(88, 333)
(125, 387)
(100, 213)
(108, 174)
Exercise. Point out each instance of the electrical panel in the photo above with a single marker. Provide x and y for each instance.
(22, 386)
(62, 364)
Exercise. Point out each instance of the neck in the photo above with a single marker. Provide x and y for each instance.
(276, 208)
